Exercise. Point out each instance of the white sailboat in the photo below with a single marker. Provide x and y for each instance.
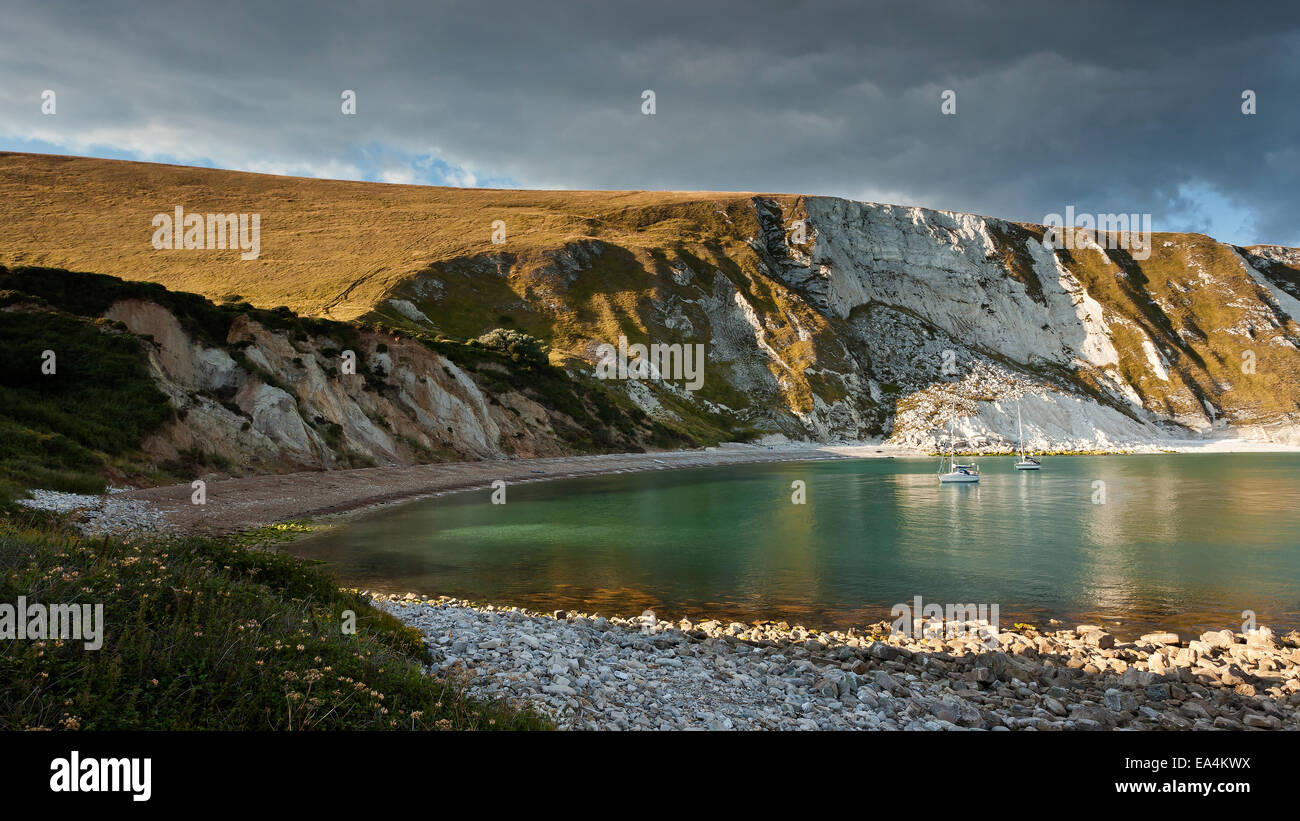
(1026, 461)
(956, 474)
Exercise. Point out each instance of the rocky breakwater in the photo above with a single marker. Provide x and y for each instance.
(591, 672)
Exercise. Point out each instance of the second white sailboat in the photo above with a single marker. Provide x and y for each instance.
(1026, 461)
(956, 474)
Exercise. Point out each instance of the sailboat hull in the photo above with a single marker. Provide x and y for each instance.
(958, 478)
(1022, 466)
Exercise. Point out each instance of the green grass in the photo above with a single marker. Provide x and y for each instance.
(66, 430)
(214, 634)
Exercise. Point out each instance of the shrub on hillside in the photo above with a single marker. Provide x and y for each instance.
(519, 346)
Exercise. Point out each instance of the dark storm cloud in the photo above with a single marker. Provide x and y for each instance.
(1114, 107)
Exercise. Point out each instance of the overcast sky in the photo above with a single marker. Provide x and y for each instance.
(1109, 108)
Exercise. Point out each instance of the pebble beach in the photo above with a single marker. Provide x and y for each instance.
(589, 672)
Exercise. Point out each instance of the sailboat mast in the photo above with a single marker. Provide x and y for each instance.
(1020, 433)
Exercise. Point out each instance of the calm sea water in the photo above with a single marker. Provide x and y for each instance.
(1181, 541)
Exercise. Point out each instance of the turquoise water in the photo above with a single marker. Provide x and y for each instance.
(1181, 541)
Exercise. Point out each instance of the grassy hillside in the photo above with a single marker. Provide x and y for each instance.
(341, 250)
(1204, 329)
(83, 424)
(329, 248)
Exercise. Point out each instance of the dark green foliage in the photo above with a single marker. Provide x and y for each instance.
(518, 346)
(61, 430)
(92, 294)
(213, 634)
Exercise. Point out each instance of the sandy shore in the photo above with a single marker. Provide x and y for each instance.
(1232, 446)
(234, 505)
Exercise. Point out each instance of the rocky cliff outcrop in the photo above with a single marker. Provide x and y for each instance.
(828, 319)
(264, 400)
(1096, 346)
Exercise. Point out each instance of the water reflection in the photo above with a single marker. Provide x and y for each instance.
(1179, 541)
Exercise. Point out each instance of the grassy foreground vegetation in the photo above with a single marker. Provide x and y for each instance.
(218, 634)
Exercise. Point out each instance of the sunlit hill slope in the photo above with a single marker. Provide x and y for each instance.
(821, 318)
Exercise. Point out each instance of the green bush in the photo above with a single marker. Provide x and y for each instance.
(521, 348)
(61, 430)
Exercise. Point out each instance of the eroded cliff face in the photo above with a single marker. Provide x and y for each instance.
(269, 402)
(1095, 345)
(826, 319)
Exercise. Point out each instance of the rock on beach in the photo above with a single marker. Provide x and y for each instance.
(587, 671)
